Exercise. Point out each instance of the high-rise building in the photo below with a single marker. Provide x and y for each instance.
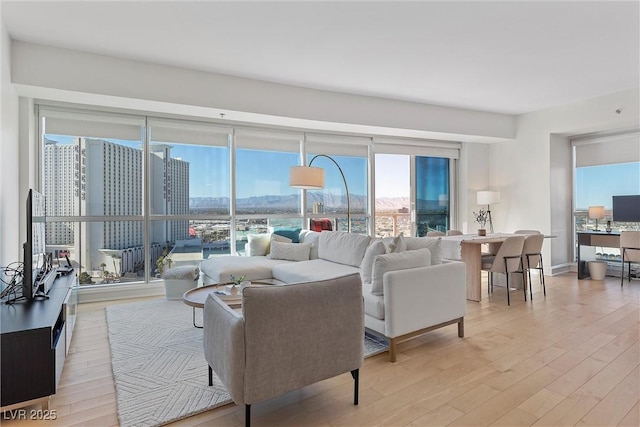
(93, 177)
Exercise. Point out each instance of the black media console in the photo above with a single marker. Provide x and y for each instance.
(34, 343)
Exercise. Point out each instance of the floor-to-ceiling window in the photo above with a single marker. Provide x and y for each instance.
(263, 198)
(393, 195)
(348, 155)
(189, 192)
(604, 167)
(414, 187)
(92, 175)
(129, 196)
(433, 193)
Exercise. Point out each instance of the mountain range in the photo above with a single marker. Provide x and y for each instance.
(291, 202)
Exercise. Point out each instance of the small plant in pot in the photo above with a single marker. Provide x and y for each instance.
(481, 218)
(235, 283)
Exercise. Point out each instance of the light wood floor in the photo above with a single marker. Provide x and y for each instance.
(571, 358)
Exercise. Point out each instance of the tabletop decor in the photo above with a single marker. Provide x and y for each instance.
(481, 219)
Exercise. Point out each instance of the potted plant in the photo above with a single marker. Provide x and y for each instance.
(164, 262)
(236, 283)
(481, 218)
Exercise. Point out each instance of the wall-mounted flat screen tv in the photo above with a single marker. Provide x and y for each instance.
(626, 208)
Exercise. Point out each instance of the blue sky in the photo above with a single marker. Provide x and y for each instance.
(595, 185)
(261, 172)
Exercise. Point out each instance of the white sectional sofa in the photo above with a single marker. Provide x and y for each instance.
(408, 288)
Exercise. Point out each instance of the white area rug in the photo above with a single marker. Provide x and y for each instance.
(158, 363)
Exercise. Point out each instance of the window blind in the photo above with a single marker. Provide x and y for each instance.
(268, 141)
(91, 125)
(607, 150)
(423, 147)
(186, 132)
(335, 145)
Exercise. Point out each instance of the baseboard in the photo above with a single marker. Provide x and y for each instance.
(568, 267)
(115, 292)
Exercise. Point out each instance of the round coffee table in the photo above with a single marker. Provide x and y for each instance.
(196, 297)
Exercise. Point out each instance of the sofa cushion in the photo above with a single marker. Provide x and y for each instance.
(397, 261)
(290, 251)
(257, 244)
(219, 269)
(310, 236)
(373, 304)
(375, 248)
(312, 270)
(434, 244)
(290, 233)
(342, 247)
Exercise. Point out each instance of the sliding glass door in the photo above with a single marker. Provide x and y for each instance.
(413, 194)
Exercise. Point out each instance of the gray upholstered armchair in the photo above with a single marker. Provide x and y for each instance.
(286, 337)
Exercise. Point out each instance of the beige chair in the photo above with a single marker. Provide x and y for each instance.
(532, 259)
(507, 260)
(454, 233)
(526, 232)
(630, 249)
(286, 337)
(435, 233)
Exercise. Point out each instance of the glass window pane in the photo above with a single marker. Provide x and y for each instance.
(393, 197)
(331, 202)
(262, 182)
(596, 186)
(188, 179)
(432, 194)
(111, 177)
(62, 173)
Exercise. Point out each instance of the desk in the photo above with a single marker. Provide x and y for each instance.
(594, 238)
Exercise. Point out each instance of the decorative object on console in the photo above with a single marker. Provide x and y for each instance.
(596, 212)
(487, 198)
(312, 178)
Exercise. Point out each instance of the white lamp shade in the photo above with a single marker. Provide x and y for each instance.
(488, 197)
(307, 177)
(596, 212)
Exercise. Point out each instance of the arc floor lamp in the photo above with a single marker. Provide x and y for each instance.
(312, 178)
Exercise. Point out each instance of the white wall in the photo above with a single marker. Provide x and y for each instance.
(82, 73)
(534, 176)
(10, 235)
(475, 165)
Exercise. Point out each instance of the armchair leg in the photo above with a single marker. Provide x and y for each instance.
(356, 380)
(210, 376)
(461, 327)
(247, 415)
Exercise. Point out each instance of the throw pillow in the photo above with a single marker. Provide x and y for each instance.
(396, 261)
(291, 233)
(308, 236)
(434, 244)
(289, 251)
(257, 244)
(398, 244)
(343, 248)
(375, 248)
(279, 238)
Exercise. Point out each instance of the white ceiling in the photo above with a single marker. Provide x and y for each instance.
(507, 57)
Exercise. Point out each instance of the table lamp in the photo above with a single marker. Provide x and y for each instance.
(487, 198)
(596, 212)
